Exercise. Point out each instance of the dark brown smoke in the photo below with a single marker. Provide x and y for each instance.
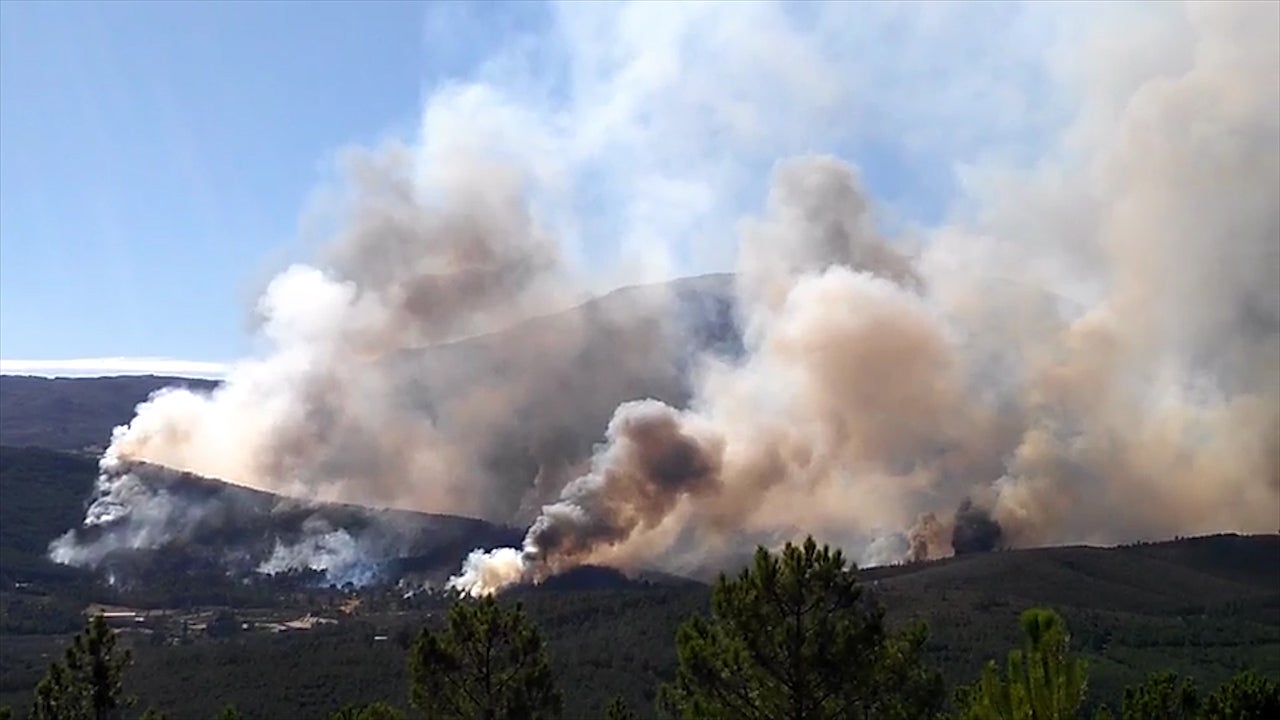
(973, 530)
(652, 460)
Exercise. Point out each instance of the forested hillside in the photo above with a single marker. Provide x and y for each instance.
(44, 494)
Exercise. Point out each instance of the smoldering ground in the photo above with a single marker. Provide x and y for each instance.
(1087, 349)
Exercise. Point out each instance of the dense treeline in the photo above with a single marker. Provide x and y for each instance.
(795, 635)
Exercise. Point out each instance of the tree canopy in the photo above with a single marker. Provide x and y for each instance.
(1042, 681)
(795, 636)
(87, 684)
(488, 663)
(1162, 696)
(1247, 696)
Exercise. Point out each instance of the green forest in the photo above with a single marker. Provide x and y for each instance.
(797, 634)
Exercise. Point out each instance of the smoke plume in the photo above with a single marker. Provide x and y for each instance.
(878, 387)
(1086, 349)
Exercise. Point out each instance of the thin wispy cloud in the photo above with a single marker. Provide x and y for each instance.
(94, 367)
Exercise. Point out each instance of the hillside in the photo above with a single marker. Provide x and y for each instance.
(1207, 606)
(1203, 606)
(1133, 610)
(45, 493)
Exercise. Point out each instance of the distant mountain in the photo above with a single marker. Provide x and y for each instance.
(74, 413)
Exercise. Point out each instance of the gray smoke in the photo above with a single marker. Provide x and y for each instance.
(332, 413)
(651, 460)
(333, 552)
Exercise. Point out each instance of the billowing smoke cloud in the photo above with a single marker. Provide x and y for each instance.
(969, 529)
(974, 530)
(386, 384)
(331, 413)
(1086, 350)
(878, 387)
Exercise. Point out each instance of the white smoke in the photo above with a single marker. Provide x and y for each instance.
(484, 573)
(128, 513)
(334, 553)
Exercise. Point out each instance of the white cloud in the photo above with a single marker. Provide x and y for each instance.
(92, 367)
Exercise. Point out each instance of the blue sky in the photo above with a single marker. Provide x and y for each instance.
(157, 159)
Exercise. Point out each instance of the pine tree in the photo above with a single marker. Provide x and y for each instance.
(793, 636)
(1247, 696)
(488, 663)
(87, 684)
(57, 698)
(1163, 696)
(619, 710)
(1042, 681)
(93, 660)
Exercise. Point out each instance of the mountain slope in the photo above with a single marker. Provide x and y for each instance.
(43, 494)
(74, 413)
(222, 526)
(1202, 606)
